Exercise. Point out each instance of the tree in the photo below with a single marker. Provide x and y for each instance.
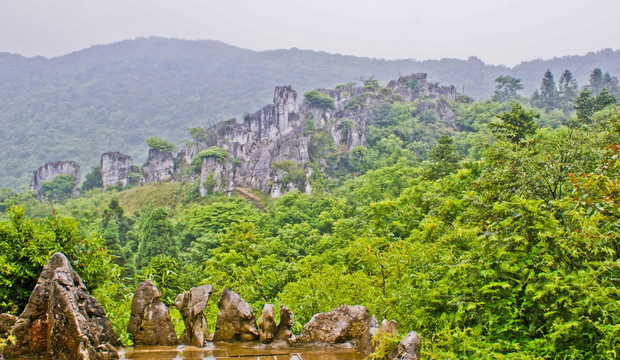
(60, 188)
(596, 81)
(506, 88)
(93, 179)
(584, 105)
(568, 89)
(547, 97)
(515, 125)
(157, 143)
(156, 237)
(443, 158)
(317, 99)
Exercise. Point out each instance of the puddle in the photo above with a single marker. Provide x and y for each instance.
(246, 351)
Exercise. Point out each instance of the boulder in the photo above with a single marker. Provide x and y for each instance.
(6, 323)
(61, 320)
(235, 321)
(409, 348)
(150, 322)
(283, 331)
(267, 324)
(345, 324)
(192, 305)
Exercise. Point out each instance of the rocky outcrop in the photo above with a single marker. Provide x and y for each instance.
(192, 305)
(415, 86)
(409, 348)
(345, 324)
(267, 324)
(215, 176)
(159, 166)
(7, 321)
(61, 320)
(235, 321)
(283, 331)
(50, 171)
(150, 323)
(115, 169)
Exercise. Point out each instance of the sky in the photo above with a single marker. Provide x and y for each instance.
(497, 31)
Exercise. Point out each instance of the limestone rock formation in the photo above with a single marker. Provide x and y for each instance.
(415, 86)
(61, 321)
(115, 169)
(235, 321)
(50, 170)
(159, 166)
(215, 176)
(343, 324)
(267, 324)
(283, 331)
(409, 348)
(150, 322)
(6, 323)
(192, 305)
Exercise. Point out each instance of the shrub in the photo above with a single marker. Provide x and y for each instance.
(162, 145)
(319, 100)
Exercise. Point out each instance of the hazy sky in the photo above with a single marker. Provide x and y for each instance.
(497, 31)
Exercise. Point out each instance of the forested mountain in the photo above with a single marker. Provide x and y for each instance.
(113, 97)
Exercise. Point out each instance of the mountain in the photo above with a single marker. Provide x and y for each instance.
(113, 97)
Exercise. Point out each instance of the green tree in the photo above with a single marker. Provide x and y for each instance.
(157, 143)
(443, 158)
(515, 125)
(568, 90)
(506, 88)
(93, 179)
(547, 97)
(60, 188)
(156, 237)
(596, 81)
(317, 99)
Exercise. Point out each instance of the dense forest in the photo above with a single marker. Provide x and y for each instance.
(496, 238)
(112, 97)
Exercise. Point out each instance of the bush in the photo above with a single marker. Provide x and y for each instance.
(319, 100)
(162, 145)
(220, 154)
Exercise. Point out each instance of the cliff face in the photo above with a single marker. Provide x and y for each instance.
(115, 169)
(270, 150)
(51, 170)
(160, 166)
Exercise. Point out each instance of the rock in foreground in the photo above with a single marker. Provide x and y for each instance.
(150, 322)
(344, 324)
(61, 320)
(192, 305)
(235, 321)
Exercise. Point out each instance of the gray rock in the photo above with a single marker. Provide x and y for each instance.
(61, 321)
(6, 323)
(283, 331)
(192, 305)
(409, 348)
(235, 321)
(150, 322)
(159, 166)
(115, 169)
(343, 324)
(267, 324)
(50, 171)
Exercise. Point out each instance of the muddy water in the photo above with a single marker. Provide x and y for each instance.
(224, 351)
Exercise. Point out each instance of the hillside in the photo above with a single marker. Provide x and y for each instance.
(112, 97)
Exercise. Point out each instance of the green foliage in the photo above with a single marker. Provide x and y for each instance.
(443, 158)
(294, 173)
(515, 125)
(156, 237)
(93, 179)
(162, 145)
(319, 100)
(220, 154)
(506, 88)
(59, 189)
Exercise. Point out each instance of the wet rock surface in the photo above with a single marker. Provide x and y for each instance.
(235, 321)
(192, 305)
(61, 320)
(409, 348)
(283, 331)
(267, 324)
(343, 324)
(150, 322)
(6, 323)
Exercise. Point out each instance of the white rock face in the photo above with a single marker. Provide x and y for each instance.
(159, 166)
(115, 168)
(49, 171)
